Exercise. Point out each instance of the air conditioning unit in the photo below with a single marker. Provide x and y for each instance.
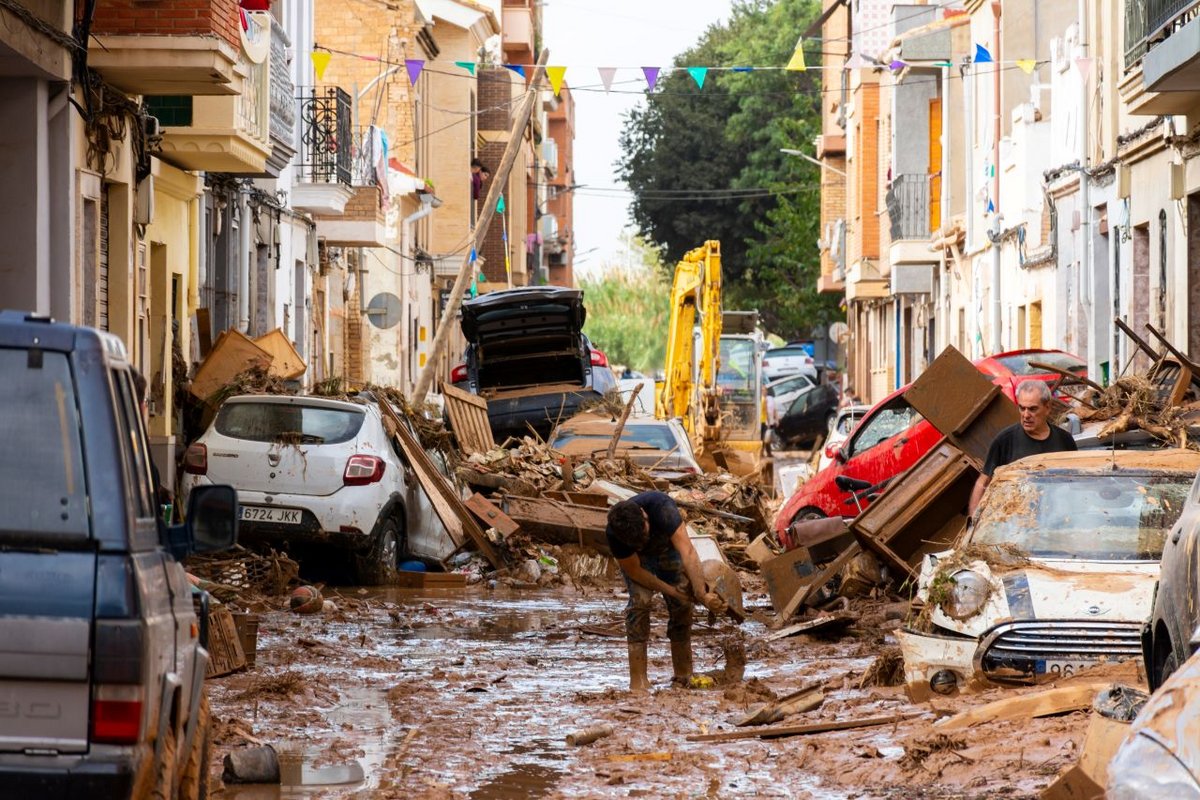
(549, 227)
(550, 156)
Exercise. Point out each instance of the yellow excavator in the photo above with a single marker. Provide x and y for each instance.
(713, 371)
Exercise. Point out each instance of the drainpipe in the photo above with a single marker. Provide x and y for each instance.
(969, 101)
(406, 247)
(997, 339)
(243, 261)
(1085, 202)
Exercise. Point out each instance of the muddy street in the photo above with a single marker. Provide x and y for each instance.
(471, 694)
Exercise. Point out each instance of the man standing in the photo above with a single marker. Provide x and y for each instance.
(1033, 436)
(647, 536)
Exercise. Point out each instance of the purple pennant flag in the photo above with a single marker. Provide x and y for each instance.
(414, 67)
(896, 66)
(651, 74)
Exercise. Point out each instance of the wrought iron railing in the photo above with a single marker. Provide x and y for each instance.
(908, 207)
(1150, 21)
(326, 144)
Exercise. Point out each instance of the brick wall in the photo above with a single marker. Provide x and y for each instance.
(493, 246)
(833, 207)
(868, 174)
(495, 91)
(169, 18)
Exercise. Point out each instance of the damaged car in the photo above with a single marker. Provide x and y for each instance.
(1056, 574)
(659, 446)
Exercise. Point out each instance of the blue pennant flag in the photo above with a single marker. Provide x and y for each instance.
(982, 56)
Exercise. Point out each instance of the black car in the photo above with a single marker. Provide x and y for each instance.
(1171, 636)
(528, 358)
(102, 653)
(809, 417)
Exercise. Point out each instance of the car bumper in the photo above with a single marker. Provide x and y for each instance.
(61, 777)
(928, 654)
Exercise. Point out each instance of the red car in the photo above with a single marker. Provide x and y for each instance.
(892, 437)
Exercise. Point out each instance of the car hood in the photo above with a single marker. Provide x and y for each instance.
(523, 312)
(1099, 591)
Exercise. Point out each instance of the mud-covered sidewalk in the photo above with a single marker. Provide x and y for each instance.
(471, 693)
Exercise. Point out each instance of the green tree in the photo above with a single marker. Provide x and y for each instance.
(627, 309)
(705, 164)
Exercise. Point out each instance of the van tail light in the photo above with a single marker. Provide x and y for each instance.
(118, 694)
(361, 470)
(458, 374)
(195, 459)
(599, 359)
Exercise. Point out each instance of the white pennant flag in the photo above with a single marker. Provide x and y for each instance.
(606, 76)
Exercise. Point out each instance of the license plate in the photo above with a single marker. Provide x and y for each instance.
(286, 516)
(1064, 669)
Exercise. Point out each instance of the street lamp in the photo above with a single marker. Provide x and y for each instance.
(807, 157)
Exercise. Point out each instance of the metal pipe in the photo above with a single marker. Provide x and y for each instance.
(243, 261)
(1086, 274)
(997, 306)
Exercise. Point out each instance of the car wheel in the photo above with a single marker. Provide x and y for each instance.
(808, 513)
(193, 785)
(379, 564)
(1166, 666)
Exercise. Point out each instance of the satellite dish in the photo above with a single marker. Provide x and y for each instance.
(839, 332)
(384, 310)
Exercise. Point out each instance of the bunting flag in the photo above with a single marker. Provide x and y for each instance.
(741, 69)
(474, 283)
(414, 67)
(500, 205)
(796, 62)
(469, 66)
(517, 68)
(698, 74)
(606, 77)
(1085, 66)
(320, 60)
(651, 74)
(982, 56)
(946, 64)
(1027, 65)
(991, 207)
(897, 65)
(504, 239)
(856, 61)
(555, 74)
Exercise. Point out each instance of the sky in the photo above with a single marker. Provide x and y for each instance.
(628, 34)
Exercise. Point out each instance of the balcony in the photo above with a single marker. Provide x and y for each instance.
(1163, 38)
(519, 32)
(324, 163)
(361, 221)
(908, 210)
(151, 47)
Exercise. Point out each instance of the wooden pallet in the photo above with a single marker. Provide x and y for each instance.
(225, 654)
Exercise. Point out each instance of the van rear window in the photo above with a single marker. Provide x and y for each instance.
(288, 423)
(42, 489)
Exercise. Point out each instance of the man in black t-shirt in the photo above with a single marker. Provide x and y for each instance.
(1032, 436)
(647, 536)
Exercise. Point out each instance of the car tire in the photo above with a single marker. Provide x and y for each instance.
(809, 513)
(193, 784)
(1166, 666)
(379, 564)
(164, 769)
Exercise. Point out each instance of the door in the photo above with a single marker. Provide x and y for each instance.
(935, 163)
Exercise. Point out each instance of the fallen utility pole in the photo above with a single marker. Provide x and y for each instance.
(515, 135)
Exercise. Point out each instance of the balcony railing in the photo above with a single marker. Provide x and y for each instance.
(326, 144)
(1150, 21)
(908, 207)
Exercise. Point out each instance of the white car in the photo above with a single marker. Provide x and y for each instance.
(843, 425)
(1056, 575)
(311, 470)
(643, 406)
(779, 362)
(660, 446)
(782, 392)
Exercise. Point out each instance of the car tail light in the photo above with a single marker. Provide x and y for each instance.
(195, 460)
(117, 714)
(831, 451)
(766, 362)
(458, 374)
(598, 358)
(361, 470)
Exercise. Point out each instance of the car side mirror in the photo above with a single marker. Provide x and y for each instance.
(212, 517)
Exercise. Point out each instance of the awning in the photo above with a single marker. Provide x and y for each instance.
(461, 14)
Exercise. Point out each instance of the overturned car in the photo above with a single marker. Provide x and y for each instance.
(1056, 575)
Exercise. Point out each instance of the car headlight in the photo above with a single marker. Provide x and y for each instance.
(1145, 770)
(968, 595)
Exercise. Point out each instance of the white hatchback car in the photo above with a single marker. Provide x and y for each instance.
(843, 425)
(311, 470)
(779, 362)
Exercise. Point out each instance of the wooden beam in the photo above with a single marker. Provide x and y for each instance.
(616, 437)
(492, 515)
(800, 730)
(1139, 341)
(1192, 366)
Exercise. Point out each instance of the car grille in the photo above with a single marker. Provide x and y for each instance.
(1012, 651)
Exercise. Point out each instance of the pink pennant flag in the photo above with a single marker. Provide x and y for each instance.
(606, 77)
(651, 74)
(414, 67)
(1085, 66)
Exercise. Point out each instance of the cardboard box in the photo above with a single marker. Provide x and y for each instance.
(760, 550)
(787, 575)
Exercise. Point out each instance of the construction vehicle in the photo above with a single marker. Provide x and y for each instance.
(713, 371)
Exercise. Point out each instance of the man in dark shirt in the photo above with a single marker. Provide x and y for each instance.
(1033, 436)
(647, 536)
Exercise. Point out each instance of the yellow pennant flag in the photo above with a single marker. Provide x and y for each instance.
(555, 74)
(1026, 65)
(320, 59)
(796, 64)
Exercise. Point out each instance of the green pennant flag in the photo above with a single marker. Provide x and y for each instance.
(469, 66)
(698, 74)
(500, 205)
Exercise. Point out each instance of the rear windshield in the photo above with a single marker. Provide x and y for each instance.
(41, 462)
(1021, 364)
(1083, 516)
(658, 437)
(787, 352)
(288, 423)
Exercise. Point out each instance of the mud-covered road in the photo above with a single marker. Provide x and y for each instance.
(471, 693)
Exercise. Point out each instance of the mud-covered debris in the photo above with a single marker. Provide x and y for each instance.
(242, 574)
(251, 765)
(589, 735)
(281, 684)
(886, 670)
(918, 750)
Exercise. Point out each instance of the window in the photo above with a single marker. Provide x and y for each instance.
(1021, 364)
(890, 420)
(288, 423)
(136, 456)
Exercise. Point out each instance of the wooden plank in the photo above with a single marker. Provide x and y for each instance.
(233, 353)
(445, 501)
(491, 514)
(560, 523)
(224, 645)
(818, 624)
(469, 420)
(616, 437)
(1047, 703)
(430, 580)
(491, 480)
(800, 730)
(286, 362)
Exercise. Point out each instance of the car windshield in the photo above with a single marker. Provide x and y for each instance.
(288, 422)
(846, 422)
(894, 418)
(1021, 363)
(1083, 516)
(658, 437)
(736, 374)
